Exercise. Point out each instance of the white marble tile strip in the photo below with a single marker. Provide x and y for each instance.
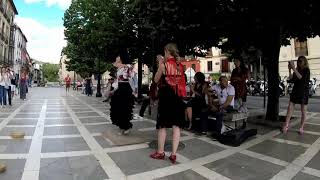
(209, 174)
(318, 124)
(147, 129)
(308, 132)
(107, 164)
(9, 137)
(311, 171)
(59, 125)
(95, 124)
(125, 148)
(10, 117)
(13, 156)
(264, 158)
(65, 154)
(290, 142)
(32, 166)
(61, 136)
(298, 164)
(25, 126)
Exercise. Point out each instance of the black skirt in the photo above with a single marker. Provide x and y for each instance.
(171, 109)
(122, 102)
(297, 98)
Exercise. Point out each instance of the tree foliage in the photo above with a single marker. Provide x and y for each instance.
(95, 31)
(50, 72)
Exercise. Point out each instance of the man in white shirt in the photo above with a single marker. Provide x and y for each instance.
(225, 93)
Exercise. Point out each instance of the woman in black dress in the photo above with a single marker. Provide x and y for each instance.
(171, 107)
(197, 105)
(300, 91)
(122, 99)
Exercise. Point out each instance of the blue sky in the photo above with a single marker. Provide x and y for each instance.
(41, 21)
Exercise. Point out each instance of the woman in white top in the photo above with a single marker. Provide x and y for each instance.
(3, 87)
(122, 99)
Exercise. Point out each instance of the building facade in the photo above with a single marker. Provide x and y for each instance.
(63, 72)
(215, 63)
(309, 48)
(7, 14)
(20, 55)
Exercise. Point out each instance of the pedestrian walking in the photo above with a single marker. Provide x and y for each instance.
(23, 85)
(88, 86)
(300, 92)
(171, 108)
(67, 80)
(13, 83)
(122, 98)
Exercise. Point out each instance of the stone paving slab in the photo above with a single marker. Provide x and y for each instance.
(104, 143)
(14, 146)
(242, 167)
(23, 122)
(303, 176)
(58, 121)
(15, 168)
(64, 145)
(137, 161)
(64, 130)
(285, 152)
(79, 114)
(84, 168)
(185, 175)
(192, 150)
(92, 119)
(315, 162)
(27, 116)
(6, 131)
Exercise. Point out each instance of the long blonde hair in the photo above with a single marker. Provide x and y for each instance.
(173, 50)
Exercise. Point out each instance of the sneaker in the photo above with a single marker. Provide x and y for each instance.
(223, 129)
(126, 132)
(121, 132)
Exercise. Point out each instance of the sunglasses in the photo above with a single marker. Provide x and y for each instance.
(221, 94)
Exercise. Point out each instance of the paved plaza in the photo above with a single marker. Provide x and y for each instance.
(65, 140)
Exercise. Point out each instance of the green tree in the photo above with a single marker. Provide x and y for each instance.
(50, 72)
(262, 25)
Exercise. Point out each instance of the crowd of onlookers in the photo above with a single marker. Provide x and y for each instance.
(10, 85)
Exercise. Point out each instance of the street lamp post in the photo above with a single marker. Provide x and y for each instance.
(98, 94)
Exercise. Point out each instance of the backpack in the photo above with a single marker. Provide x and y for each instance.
(236, 137)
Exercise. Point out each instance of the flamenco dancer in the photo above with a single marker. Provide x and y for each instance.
(172, 87)
(122, 99)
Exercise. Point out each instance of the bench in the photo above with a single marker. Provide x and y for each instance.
(234, 117)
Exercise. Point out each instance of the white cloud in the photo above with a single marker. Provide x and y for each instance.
(63, 4)
(44, 43)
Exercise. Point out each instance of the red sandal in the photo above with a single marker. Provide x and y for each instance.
(157, 155)
(173, 158)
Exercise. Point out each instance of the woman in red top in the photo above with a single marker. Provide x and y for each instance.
(172, 87)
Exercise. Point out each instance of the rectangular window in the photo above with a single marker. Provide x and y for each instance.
(300, 48)
(193, 66)
(209, 64)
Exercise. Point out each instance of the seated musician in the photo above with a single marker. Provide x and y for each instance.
(223, 104)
